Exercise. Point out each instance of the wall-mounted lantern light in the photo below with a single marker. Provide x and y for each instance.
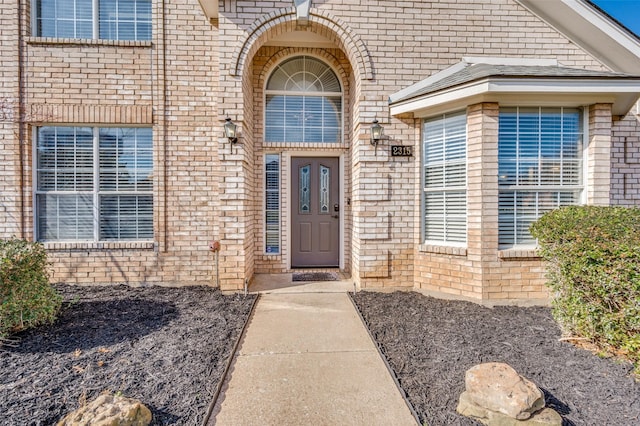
(376, 132)
(230, 131)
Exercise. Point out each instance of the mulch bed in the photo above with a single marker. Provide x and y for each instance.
(430, 343)
(164, 346)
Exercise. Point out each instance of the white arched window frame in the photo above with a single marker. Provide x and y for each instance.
(303, 103)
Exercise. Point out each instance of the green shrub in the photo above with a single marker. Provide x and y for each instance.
(26, 297)
(593, 256)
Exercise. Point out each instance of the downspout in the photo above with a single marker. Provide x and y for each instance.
(20, 120)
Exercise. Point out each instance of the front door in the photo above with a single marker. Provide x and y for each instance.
(315, 212)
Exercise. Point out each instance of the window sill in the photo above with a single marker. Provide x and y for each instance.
(450, 250)
(54, 41)
(518, 254)
(111, 245)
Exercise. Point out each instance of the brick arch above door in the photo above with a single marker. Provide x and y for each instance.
(321, 22)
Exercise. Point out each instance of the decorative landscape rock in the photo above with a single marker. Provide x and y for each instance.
(544, 417)
(497, 395)
(109, 410)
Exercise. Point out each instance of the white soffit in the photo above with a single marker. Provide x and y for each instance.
(543, 92)
(210, 9)
(591, 30)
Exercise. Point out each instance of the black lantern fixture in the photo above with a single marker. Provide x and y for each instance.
(376, 132)
(230, 131)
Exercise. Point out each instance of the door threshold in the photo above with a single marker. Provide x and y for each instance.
(283, 283)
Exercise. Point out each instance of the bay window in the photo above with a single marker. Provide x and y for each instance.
(540, 161)
(445, 179)
(93, 184)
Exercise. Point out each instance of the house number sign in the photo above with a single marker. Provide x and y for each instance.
(401, 151)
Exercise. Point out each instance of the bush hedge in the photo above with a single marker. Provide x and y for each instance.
(26, 297)
(593, 256)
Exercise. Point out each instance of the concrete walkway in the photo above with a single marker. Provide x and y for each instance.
(307, 359)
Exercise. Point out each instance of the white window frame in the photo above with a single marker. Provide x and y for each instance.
(267, 92)
(537, 188)
(444, 188)
(95, 23)
(95, 192)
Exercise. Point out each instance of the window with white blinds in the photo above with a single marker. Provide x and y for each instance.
(94, 184)
(540, 163)
(303, 103)
(272, 204)
(445, 179)
(64, 18)
(114, 20)
(125, 19)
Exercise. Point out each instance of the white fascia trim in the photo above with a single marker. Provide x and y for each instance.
(605, 25)
(589, 29)
(560, 85)
(210, 9)
(441, 98)
(622, 93)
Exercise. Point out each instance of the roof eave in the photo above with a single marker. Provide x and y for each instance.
(592, 30)
(622, 93)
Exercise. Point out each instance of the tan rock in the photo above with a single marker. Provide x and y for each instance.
(468, 408)
(109, 410)
(499, 388)
(545, 417)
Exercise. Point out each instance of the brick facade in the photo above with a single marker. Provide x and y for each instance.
(625, 160)
(193, 74)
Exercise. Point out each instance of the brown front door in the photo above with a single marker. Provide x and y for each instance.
(315, 212)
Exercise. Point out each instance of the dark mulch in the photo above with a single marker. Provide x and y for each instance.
(165, 346)
(430, 343)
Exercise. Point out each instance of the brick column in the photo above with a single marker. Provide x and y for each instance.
(598, 179)
(234, 204)
(482, 192)
(384, 199)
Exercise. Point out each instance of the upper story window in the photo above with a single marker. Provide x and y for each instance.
(540, 167)
(303, 103)
(93, 19)
(445, 179)
(93, 184)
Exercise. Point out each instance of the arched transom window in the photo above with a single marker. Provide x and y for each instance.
(303, 103)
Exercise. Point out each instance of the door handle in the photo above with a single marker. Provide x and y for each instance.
(336, 208)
